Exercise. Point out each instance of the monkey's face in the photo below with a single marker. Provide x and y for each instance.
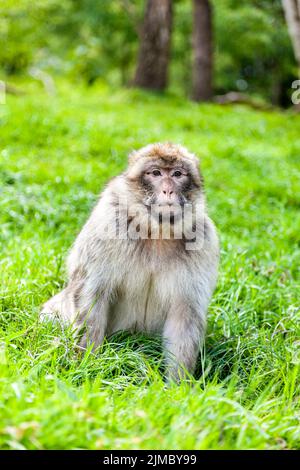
(164, 178)
(166, 188)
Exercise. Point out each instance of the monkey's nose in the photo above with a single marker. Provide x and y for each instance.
(168, 193)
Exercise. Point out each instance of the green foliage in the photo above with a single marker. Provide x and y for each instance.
(254, 51)
(89, 39)
(246, 393)
(79, 37)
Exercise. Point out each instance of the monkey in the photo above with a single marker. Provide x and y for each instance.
(135, 267)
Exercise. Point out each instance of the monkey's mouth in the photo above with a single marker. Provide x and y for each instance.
(167, 214)
(164, 213)
(162, 219)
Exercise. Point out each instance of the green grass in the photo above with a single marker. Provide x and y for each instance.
(56, 154)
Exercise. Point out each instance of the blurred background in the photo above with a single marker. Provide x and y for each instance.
(88, 81)
(196, 48)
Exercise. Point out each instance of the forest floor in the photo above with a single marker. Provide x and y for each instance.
(56, 154)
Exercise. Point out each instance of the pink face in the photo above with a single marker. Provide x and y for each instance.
(167, 185)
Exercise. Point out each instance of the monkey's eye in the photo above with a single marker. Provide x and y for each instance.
(177, 173)
(156, 173)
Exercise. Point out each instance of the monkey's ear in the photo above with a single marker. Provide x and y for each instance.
(136, 163)
(132, 156)
(195, 159)
(194, 166)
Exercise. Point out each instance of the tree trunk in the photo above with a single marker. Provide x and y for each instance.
(202, 51)
(292, 16)
(154, 53)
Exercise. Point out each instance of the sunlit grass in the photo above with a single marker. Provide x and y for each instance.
(56, 154)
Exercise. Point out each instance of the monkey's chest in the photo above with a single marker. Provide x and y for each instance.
(139, 305)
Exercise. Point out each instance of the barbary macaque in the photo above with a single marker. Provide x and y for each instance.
(146, 259)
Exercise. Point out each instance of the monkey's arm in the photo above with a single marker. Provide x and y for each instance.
(91, 292)
(185, 326)
(92, 316)
(85, 300)
(183, 334)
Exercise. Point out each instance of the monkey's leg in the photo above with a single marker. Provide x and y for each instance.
(183, 333)
(87, 310)
(59, 308)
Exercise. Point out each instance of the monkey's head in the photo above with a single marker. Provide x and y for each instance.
(166, 175)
